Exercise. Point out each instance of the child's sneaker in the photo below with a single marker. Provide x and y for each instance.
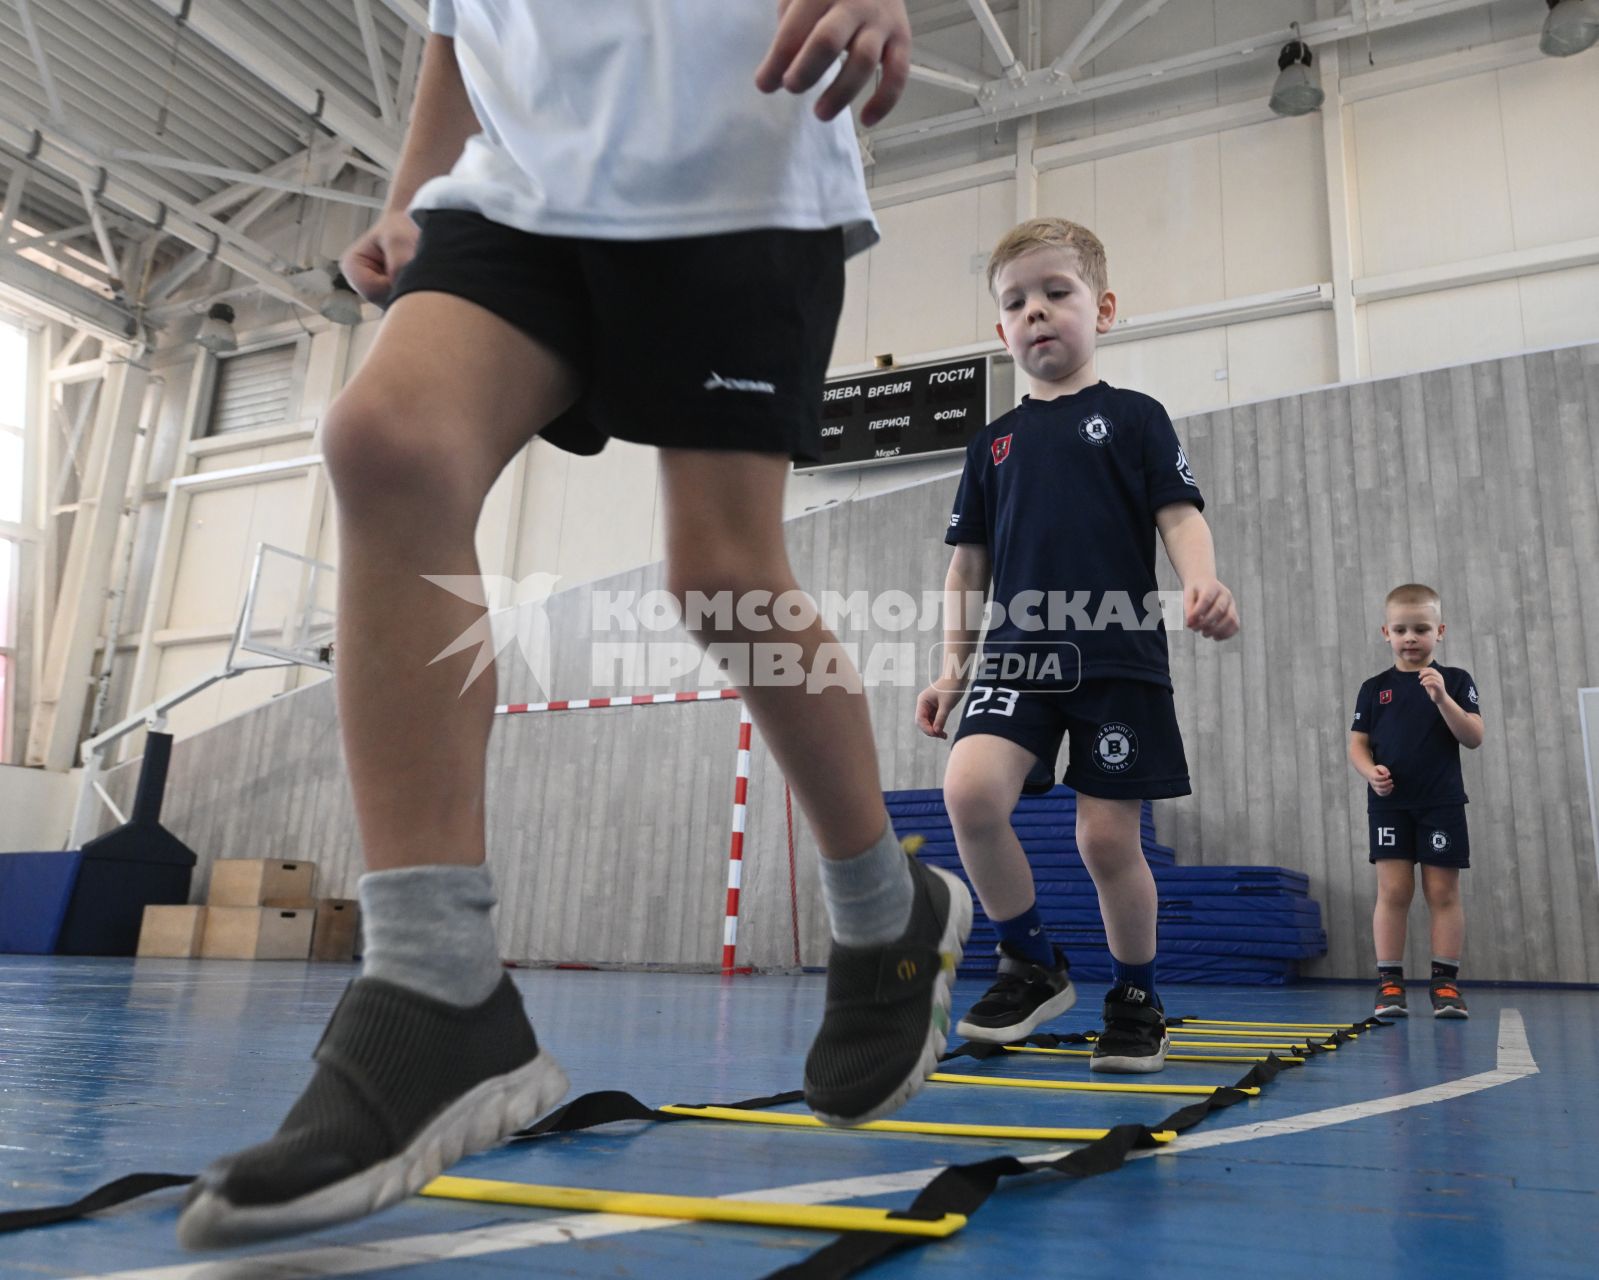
(1134, 1040)
(1446, 1001)
(1023, 998)
(887, 1014)
(1390, 999)
(405, 1086)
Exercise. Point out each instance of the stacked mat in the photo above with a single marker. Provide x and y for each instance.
(1217, 924)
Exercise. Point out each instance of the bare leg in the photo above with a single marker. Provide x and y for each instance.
(1396, 886)
(1108, 838)
(724, 533)
(981, 787)
(1441, 886)
(447, 397)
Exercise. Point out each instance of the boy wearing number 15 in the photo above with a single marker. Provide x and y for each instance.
(1058, 508)
(1410, 723)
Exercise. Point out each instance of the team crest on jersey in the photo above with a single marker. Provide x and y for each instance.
(1095, 429)
(1115, 748)
(1001, 449)
(1183, 469)
(1472, 694)
(1440, 841)
(1385, 695)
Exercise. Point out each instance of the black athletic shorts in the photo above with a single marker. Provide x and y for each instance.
(701, 342)
(1125, 744)
(1436, 837)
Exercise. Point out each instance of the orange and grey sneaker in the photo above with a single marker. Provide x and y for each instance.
(1446, 1001)
(1391, 999)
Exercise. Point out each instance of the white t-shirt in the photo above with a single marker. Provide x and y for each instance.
(640, 120)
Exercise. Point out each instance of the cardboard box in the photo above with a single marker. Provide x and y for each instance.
(257, 933)
(337, 922)
(260, 882)
(174, 932)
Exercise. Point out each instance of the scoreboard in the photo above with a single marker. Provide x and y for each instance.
(904, 413)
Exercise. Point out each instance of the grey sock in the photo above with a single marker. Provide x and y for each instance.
(869, 896)
(428, 929)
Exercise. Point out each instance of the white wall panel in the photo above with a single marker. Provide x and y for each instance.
(1179, 370)
(1430, 176)
(607, 522)
(921, 295)
(1281, 356)
(1559, 308)
(849, 342)
(543, 509)
(1431, 330)
(1274, 206)
(1550, 108)
(995, 216)
(1072, 193)
(1159, 213)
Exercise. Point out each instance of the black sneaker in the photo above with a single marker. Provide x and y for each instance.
(887, 1014)
(1134, 1040)
(1446, 1001)
(405, 1086)
(1391, 999)
(1023, 998)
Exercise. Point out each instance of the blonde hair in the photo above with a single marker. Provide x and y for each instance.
(1053, 233)
(1414, 593)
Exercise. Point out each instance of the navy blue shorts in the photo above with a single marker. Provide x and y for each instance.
(1125, 744)
(1436, 837)
(726, 337)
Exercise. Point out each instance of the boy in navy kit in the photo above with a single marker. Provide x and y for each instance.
(1410, 723)
(1058, 508)
(625, 230)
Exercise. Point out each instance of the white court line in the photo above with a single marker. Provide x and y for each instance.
(1514, 1062)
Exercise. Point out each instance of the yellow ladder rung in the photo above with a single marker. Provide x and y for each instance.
(1170, 1057)
(816, 1217)
(1184, 1029)
(1296, 1026)
(941, 1129)
(1081, 1086)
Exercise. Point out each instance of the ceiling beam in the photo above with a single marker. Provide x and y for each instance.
(1041, 91)
(995, 35)
(381, 93)
(415, 13)
(146, 200)
(47, 82)
(1071, 55)
(1136, 18)
(154, 161)
(251, 46)
(32, 286)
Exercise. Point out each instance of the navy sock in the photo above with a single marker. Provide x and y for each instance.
(1025, 935)
(1442, 968)
(1141, 976)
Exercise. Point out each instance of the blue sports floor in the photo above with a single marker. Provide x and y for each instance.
(1426, 1149)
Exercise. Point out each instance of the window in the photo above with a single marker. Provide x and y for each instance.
(13, 481)
(256, 389)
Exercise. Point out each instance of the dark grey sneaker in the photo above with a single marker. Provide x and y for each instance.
(887, 1014)
(1390, 1002)
(1022, 999)
(1446, 999)
(1134, 1041)
(405, 1086)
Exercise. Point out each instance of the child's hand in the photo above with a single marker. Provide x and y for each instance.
(372, 262)
(933, 706)
(811, 34)
(1209, 608)
(1432, 684)
(1382, 782)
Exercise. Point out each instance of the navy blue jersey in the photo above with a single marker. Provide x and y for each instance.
(1064, 493)
(1410, 736)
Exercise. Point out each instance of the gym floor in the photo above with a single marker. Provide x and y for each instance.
(1457, 1149)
